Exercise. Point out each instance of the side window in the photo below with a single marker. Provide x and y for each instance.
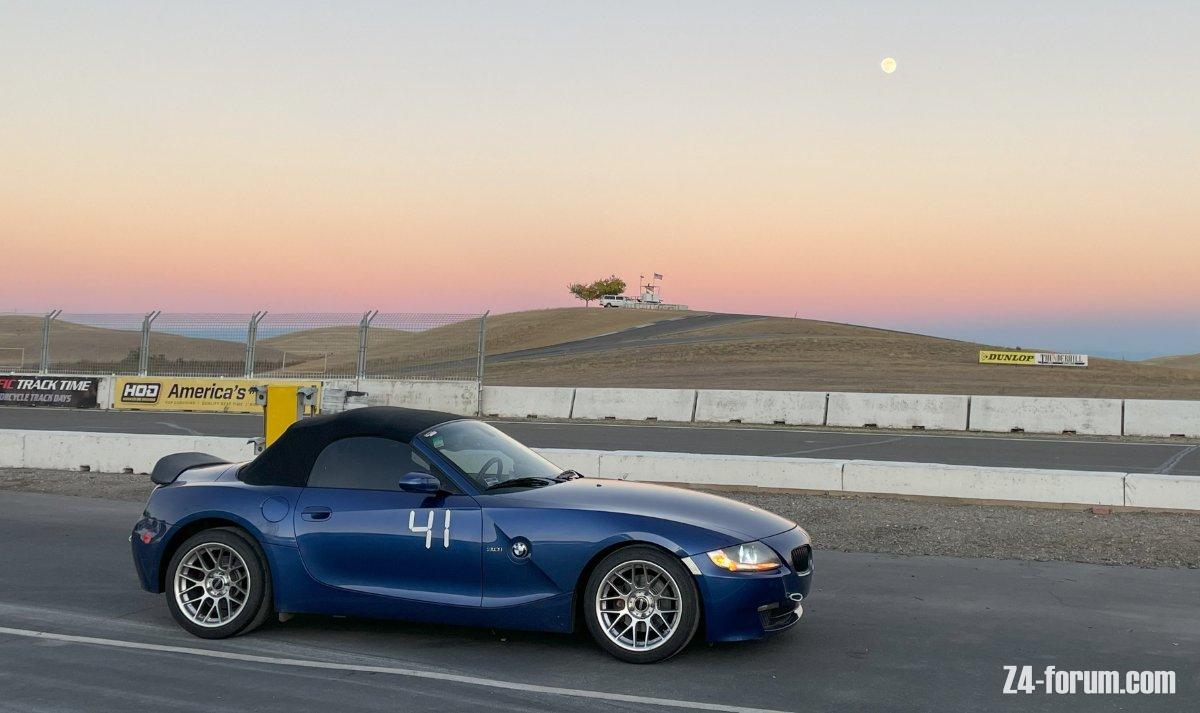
(368, 463)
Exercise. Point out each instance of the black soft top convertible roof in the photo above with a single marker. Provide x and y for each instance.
(290, 458)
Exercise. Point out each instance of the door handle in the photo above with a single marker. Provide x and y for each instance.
(316, 513)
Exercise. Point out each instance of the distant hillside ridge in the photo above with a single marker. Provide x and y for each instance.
(578, 346)
(1179, 361)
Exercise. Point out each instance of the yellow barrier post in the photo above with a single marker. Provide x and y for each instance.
(283, 405)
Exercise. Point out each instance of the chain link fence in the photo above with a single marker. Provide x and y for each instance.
(21, 341)
(308, 345)
(183, 344)
(93, 343)
(436, 347)
(299, 345)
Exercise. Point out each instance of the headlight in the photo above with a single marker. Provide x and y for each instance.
(750, 557)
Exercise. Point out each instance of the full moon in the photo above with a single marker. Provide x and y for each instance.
(888, 65)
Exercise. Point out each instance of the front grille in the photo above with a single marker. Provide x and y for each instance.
(802, 558)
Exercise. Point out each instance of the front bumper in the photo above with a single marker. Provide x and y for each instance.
(746, 605)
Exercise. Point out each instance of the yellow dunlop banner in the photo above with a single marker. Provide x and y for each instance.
(992, 357)
(164, 393)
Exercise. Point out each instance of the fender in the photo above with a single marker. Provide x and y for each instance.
(244, 510)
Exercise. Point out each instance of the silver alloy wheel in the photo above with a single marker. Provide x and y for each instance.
(212, 584)
(638, 605)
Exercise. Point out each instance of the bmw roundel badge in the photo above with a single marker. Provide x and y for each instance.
(520, 549)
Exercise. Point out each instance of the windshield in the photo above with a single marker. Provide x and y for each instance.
(489, 457)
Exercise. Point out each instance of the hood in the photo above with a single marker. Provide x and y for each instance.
(738, 520)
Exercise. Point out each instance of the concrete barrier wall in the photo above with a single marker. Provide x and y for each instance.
(978, 483)
(1134, 417)
(1180, 492)
(924, 479)
(635, 404)
(935, 412)
(583, 461)
(100, 452)
(794, 408)
(754, 471)
(1145, 417)
(231, 449)
(12, 449)
(526, 401)
(460, 397)
(1045, 415)
(108, 452)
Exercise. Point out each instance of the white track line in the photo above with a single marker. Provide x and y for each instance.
(185, 429)
(1169, 465)
(833, 448)
(412, 673)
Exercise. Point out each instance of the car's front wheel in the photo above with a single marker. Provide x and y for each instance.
(641, 604)
(218, 584)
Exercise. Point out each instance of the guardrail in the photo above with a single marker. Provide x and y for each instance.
(107, 452)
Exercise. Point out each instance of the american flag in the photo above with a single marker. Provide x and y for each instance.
(658, 276)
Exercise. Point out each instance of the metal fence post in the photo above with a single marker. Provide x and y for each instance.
(482, 351)
(251, 338)
(44, 366)
(363, 325)
(144, 350)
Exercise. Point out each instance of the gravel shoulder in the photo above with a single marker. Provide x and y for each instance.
(860, 523)
(106, 486)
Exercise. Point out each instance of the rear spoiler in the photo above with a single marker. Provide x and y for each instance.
(168, 468)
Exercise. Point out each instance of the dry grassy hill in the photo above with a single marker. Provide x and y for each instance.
(800, 354)
(389, 348)
(101, 349)
(1180, 361)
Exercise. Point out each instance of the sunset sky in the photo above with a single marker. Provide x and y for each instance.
(1030, 174)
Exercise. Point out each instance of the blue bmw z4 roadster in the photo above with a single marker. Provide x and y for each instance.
(398, 513)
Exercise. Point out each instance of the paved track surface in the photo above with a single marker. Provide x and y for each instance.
(880, 633)
(1025, 451)
(671, 331)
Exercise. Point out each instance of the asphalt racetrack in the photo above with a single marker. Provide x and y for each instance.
(879, 633)
(666, 332)
(1071, 453)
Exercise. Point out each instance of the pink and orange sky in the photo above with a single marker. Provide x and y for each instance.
(1029, 175)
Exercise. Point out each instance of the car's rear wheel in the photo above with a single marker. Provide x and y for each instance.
(218, 585)
(641, 604)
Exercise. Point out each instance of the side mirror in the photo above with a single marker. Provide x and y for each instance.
(420, 483)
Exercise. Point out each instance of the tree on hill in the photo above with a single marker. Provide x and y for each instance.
(583, 292)
(611, 285)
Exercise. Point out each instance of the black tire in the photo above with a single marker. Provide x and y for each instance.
(258, 604)
(689, 603)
